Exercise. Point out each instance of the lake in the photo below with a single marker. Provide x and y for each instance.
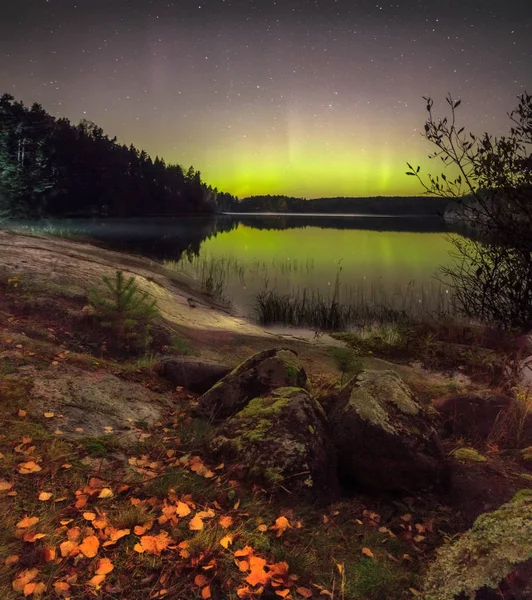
(364, 260)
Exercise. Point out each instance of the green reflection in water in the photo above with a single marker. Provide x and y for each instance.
(377, 267)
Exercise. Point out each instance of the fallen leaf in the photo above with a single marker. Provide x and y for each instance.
(106, 493)
(89, 546)
(89, 516)
(281, 525)
(262, 528)
(257, 573)
(226, 541)
(367, 552)
(24, 578)
(11, 560)
(96, 580)
(5, 485)
(29, 467)
(44, 496)
(22, 413)
(245, 551)
(60, 587)
(182, 509)
(282, 593)
(200, 580)
(196, 524)
(49, 553)
(105, 566)
(27, 522)
(305, 592)
(226, 522)
(68, 548)
(36, 589)
(206, 592)
(49, 415)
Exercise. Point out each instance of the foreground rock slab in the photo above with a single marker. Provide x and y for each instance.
(281, 440)
(94, 403)
(383, 436)
(257, 376)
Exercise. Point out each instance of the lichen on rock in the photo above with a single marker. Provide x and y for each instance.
(384, 438)
(485, 555)
(255, 377)
(468, 455)
(270, 441)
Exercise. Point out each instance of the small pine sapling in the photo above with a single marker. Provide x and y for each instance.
(124, 309)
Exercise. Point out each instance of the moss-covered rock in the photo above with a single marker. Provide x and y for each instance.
(497, 544)
(282, 441)
(526, 454)
(468, 455)
(257, 376)
(383, 436)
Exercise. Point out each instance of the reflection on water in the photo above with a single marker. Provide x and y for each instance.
(378, 260)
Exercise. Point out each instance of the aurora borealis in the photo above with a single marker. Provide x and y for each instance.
(301, 97)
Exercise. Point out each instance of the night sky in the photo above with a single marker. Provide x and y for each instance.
(303, 97)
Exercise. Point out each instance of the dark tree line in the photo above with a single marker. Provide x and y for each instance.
(378, 205)
(50, 167)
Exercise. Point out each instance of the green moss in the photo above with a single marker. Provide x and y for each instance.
(526, 476)
(468, 455)
(484, 555)
(526, 454)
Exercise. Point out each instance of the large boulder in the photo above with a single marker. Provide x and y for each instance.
(257, 376)
(492, 560)
(383, 436)
(194, 374)
(281, 441)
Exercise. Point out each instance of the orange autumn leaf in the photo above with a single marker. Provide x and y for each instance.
(44, 496)
(281, 525)
(68, 548)
(89, 516)
(99, 523)
(282, 593)
(196, 524)
(22, 413)
(114, 535)
(96, 580)
(27, 522)
(243, 566)
(305, 592)
(226, 541)
(29, 467)
(49, 553)
(257, 573)
(89, 546)
(226, 522)
(245, 551)
(24, 578)
(81, 501)
(60, 587)
(49, 415)
(37, 589)
(11, 560)
(200, 580)
(367, 552)
(182, 509)
(5, 485)
(262, 528)
(244, 592)
(206, 592)
(153, 544)
(105, 566)
(74, 533)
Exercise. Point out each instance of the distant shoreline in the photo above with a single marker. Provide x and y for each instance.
(335, 215)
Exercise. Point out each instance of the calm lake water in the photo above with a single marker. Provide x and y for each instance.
(375, 260)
